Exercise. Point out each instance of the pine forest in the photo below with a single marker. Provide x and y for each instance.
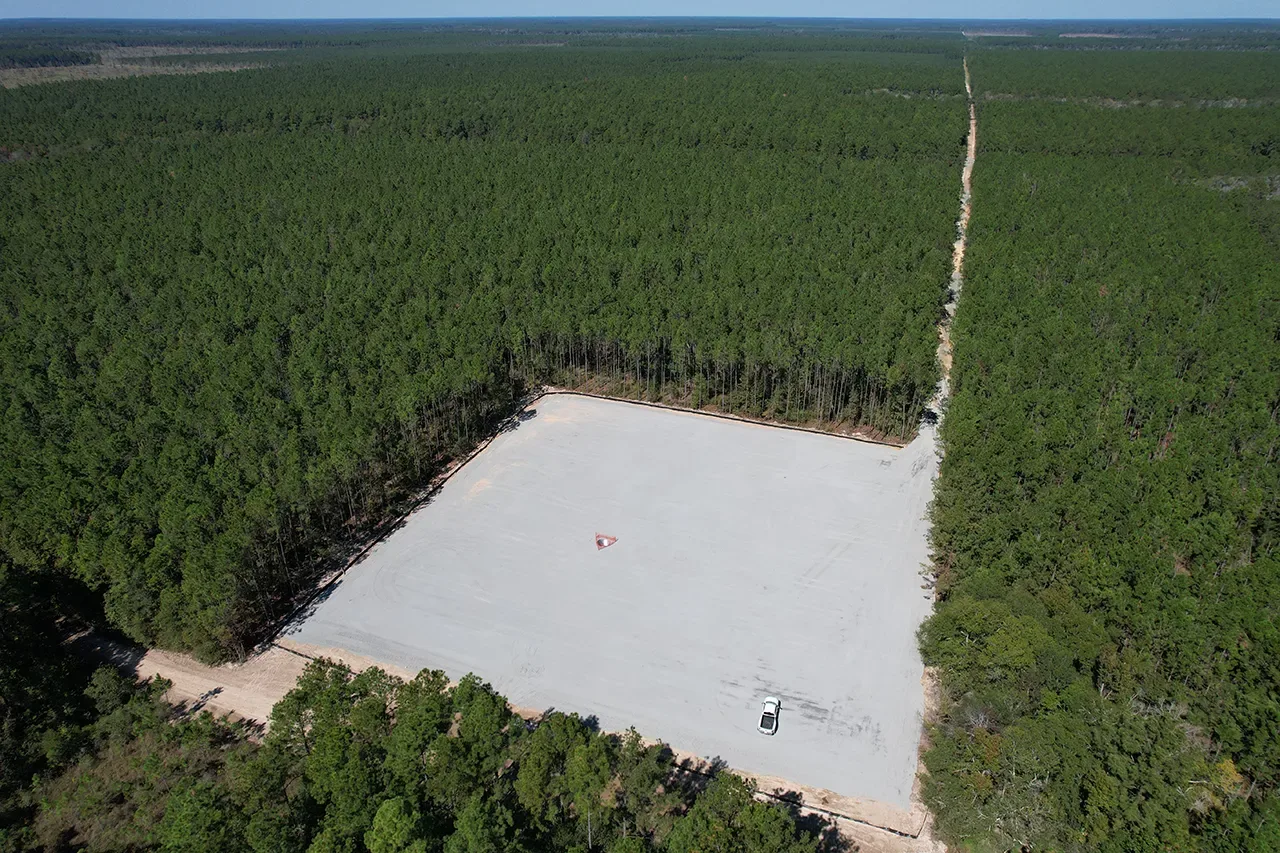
(262, 283)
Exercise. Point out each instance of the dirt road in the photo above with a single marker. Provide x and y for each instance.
(957, 252)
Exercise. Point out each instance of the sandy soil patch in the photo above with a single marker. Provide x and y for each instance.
(121, 55)
(11, 78)
(1105, 36)
(131, 61)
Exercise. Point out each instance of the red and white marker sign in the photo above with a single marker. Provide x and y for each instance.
(603, 541)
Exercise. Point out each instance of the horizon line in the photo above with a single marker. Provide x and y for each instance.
(881, 19)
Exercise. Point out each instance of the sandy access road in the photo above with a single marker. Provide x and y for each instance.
(943, 392)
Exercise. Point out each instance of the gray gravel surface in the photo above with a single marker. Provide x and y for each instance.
(750, 561)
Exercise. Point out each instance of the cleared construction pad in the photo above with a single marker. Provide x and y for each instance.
(750, 561)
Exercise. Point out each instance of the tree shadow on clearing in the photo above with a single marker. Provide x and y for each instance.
(333, 555)
(820, 826)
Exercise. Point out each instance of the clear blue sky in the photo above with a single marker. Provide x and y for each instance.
(958, 9)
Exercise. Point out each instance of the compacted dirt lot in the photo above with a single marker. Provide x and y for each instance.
(750, 561)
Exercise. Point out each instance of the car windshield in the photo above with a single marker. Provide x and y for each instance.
(766, 721)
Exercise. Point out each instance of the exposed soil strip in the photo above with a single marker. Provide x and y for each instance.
(868, 437)
(943, 393)
(772, 789)
(1118, 103)
(12, 78)
(133, 61)
(957, 254)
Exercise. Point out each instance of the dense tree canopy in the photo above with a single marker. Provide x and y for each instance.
(244, 315)
(1124, 75)
(370, 762)
(1105, 523)
(244, 312)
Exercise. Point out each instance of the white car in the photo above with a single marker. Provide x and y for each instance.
(769, 716)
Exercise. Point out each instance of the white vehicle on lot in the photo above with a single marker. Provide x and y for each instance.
(769, 716)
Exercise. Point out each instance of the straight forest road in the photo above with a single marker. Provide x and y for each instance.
(938, 404)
